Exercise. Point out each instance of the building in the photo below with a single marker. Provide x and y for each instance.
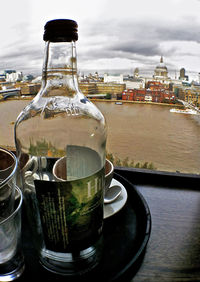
(134, 82)
(156, 85)
(136, 73)
(110, 88)
(89, 88)
(188, 93)
(147, 95)
(28, 88)
(130, 81)
(161, 72)
(182, 75)
(113, 78)
(28, 77)
(192, 96)
(6, 93)
(13, 75)
(90, 78)
(2, 76)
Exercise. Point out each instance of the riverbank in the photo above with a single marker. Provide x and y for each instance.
(29, 98)
(135, 102)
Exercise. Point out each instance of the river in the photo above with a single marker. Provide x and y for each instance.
(143, 133)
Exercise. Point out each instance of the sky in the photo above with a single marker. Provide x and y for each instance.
(114, 36)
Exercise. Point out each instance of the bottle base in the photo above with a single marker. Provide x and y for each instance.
(12, 269)
(71, 264)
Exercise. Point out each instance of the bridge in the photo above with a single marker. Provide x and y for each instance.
(10, 93)
(189, 105)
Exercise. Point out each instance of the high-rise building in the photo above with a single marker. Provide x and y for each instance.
(182, 75)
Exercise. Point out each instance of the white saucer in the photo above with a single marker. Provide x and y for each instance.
(117, 205)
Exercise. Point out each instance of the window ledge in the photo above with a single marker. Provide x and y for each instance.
(161, 178)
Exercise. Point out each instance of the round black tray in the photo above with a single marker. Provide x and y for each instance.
(125, 235)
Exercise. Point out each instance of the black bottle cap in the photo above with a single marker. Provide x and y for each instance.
(61, 30)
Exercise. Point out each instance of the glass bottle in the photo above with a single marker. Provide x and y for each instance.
(60, 141)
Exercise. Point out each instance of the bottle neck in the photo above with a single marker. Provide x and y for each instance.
(60, 68)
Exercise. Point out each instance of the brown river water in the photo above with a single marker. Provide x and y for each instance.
(143, 133)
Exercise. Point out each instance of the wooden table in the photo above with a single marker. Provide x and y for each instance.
(173, 250)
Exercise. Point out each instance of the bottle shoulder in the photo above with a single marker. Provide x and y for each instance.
(50, 107)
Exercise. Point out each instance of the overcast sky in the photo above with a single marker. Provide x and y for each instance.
(113, 34)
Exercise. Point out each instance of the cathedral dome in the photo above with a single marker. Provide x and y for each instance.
(161, 65)
(161, 71)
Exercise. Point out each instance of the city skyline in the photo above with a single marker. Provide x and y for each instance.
(113, 36)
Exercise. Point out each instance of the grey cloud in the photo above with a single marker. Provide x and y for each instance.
(136, 47)
(123, 50)
(137, 40)
(28, 54)
(21, 51)
(128, 38)
(22, 58)
(179, 33)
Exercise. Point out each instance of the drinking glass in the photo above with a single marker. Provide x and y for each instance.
(11, 257)
(8, 167)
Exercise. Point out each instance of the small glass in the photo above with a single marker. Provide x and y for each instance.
(11, 257)
(8, 167)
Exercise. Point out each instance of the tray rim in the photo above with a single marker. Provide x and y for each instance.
(129, 266)
(140, 252)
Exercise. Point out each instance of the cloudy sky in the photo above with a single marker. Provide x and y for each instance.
(113, 35)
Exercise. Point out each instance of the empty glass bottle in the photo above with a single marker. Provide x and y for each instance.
(60, 141)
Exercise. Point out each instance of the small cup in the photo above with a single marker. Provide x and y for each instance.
(8, 168)
(11, 257)
(109, 171)
(60, 169)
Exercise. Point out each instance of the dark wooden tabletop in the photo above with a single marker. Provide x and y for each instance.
(173, 250)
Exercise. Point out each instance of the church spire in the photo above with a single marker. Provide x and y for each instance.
(161, 59)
